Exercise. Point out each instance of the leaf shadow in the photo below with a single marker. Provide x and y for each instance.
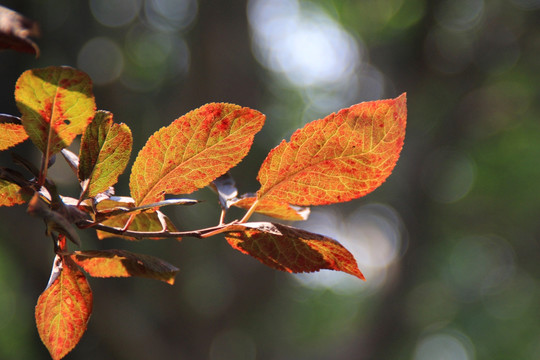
(31, 114)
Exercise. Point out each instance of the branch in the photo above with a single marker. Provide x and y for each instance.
(200, 234)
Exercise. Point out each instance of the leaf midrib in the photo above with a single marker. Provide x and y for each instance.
(185, 161)
(292, 175)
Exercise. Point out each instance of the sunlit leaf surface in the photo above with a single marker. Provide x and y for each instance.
(105, 151)
(192, 151)
(63, 310)
(11, 131)
(10, 194)
(56, 104)
(339, 158)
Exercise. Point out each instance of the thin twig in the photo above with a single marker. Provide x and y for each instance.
(200, 234)
(222, 217)
(249, 212)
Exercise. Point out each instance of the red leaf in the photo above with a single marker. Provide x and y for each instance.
(122, 263)
(56, 104)
(194, 150)
(105, 151)
(11, 131)
(63, 310)
(339, 158)
(289, 249)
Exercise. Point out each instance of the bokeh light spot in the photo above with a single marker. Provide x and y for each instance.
(115, 13)
(302, 42)
(459, 15)
(514, 298)
(372, 234)
(101, 59)
(443, 346)
(170, 15)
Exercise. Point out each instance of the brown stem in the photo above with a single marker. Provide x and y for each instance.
(44, 168)
(200, 234)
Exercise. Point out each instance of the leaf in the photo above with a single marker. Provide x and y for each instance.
(104, 154)
(11, 194)
(193, 150)
(289, 249)
(339, 158)
(166, 202)
(111, 203)
(11, 131)
(15, 32)
(72, 160)
(225, 187)
(56, 104)
(122, 263)
(116, 205)
(145, 221)
(277, 209)
(63, 310)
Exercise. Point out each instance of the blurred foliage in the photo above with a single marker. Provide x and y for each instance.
(458, 220)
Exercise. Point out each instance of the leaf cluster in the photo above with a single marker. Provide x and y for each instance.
(338, 158)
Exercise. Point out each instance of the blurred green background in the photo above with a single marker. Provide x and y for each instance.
(450, 244)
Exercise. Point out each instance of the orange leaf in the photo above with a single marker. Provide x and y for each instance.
(11, 131)
(105, 151)
(289, 249)
(277, 209)
(339, 158)
(11, 194)
(122, 263)
(63, 310)
(194, 150)
(56, 104)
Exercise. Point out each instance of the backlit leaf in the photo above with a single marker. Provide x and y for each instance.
(115, 205)
(194, 150)
(104, 154)
(339, 158)
(63, 310)
(122, 263)
(11, 194)
(109, 203)
(56, 104)
(144, 221)
(11, 131)
(289, 249)
(277, 209)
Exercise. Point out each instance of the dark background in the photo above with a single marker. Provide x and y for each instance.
(449, 244)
